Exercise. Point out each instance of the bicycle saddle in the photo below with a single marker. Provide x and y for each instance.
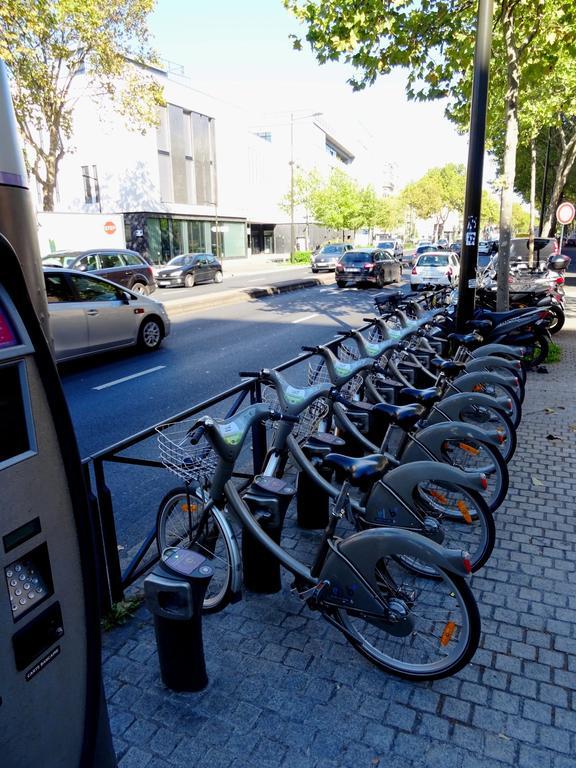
(465, 339)
(359, 471)
(498, 317)
(427, 396)
(448, 367)
(403, 416)
(479, 325)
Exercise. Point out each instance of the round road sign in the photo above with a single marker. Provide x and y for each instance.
(565, 213)
(110, 227)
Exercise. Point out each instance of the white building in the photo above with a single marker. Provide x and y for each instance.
(205, 180)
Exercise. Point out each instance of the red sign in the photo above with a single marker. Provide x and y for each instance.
(109, 227)
(565, 213)
(7, 335)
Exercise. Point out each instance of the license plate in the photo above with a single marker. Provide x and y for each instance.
(163, 283)
(353, 269)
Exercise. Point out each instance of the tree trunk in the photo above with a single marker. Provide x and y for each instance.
(509, 163)
(565, 165)
(532, 202)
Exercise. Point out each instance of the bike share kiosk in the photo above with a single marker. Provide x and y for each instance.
(52, 711)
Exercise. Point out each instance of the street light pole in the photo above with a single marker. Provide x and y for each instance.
(473, 198)
(291, 184)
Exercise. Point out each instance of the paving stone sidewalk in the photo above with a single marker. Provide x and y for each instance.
(286, 690)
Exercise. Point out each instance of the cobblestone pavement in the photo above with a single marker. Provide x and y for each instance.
(286, 690)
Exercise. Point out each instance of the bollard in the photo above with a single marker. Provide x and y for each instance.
(174, 593)
(268, 499)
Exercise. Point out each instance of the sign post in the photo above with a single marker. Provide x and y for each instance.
(565, 215)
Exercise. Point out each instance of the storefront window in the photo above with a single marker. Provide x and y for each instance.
(154, 240)
(233, 240)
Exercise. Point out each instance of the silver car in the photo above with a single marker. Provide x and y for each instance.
(89, 314)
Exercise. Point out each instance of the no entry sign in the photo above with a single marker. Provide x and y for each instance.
(565, 213)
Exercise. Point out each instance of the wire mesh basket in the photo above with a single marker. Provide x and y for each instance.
(318, 374)
(308, 421)
(189, 462)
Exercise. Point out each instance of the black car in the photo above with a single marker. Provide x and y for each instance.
(369, 265)
(123, 267)
(189, 269)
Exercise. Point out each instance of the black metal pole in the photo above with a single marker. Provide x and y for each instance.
(544, 184)
(473, 199)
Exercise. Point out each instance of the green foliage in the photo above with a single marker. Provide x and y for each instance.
(301, 257)
(121, 612)
(305, 184)
(554, 353)
(338, 203)
(46, 43)
(490, 210)
(437, 193)
(520, 219)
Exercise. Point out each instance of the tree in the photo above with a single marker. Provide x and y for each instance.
(390, 213)
(338, 204)
(46, 43)
(434, 41)
(490, 212)
(436, 194)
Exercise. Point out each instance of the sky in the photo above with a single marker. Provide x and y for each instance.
(241, 52)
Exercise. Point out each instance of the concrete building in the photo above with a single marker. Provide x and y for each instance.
(204, 180)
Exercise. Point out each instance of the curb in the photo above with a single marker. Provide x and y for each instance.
(240, 295)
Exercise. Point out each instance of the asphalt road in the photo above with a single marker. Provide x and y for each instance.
(114, 396)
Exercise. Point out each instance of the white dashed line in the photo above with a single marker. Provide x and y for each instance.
(308, 317)
(128, 378)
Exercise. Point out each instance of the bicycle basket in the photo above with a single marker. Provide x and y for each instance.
(318, 374)
(308, 421)
(189, 462)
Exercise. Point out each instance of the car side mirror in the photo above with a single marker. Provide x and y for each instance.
(126, 297)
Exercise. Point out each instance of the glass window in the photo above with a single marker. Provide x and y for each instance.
(202, 158)
(91, 186)
(177, 153)
(91, 289)
(88, 263)
(162, 133)
(355, 257)
(131, 259)
(111, 260)
(57, 289)
(154, 240)
(433, 260)
(233, 239)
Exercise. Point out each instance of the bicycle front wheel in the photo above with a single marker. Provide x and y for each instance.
(445, 632)
(490, 417)
(184, 521)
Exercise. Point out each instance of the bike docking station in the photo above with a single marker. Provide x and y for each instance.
(52, 707)
(174, 593)
(313, 501)
(268, 498)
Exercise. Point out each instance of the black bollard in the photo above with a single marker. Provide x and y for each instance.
(175, 592)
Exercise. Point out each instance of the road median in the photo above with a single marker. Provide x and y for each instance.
(239, 295)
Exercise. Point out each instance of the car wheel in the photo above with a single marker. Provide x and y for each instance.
(340, 283)
(141, 288)
(189, 280)
(380, 281)
(150, 334)
(314, 269)
(218, 277)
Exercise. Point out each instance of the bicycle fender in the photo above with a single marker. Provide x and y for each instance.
(353, 562)
(498, 349)
(400, 485)
(467, 381)
(432, 439)
(453, 405)
(506, 368)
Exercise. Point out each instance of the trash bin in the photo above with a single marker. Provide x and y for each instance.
(174, 593)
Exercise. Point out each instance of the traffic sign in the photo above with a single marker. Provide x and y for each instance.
(565, 213)
(109, 227)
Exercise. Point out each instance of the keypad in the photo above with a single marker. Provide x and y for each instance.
(26, 586)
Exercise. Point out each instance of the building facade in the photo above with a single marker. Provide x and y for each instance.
(203, 180)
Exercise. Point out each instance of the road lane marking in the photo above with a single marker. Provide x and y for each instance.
(308, 317)
(127, 378)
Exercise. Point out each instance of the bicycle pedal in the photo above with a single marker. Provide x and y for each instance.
(313, 594)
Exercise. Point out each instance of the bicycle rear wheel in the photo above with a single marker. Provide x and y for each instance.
(472, 455)
(446, 624)
(490, 417)
(183, 521)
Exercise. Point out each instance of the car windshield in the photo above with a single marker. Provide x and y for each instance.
(332, 249)
(433, 260)
(483, 260)
(424, 248)
(181, 261)
(356, 257)
(61, 259)
(386, 244)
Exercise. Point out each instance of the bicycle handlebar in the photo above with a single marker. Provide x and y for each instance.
(314, 350)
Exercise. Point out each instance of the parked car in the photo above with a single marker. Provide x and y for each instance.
(435, 268)
(393, 247)
(189, 269)
(443, 243)
(123, 267)
(328, 256)
(420, 249)
(544, 248)
(368, 265)
(455, 248)
(89, 314)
